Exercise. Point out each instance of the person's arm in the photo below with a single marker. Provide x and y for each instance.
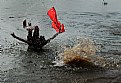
(54, 36)
(48, 40)
(13, 35)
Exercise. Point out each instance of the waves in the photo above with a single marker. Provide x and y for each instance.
(80, 53)
(84, 54)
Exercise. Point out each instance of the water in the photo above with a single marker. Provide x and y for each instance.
(83, 19)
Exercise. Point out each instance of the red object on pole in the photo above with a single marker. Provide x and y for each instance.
(56, 26)
(62, 28)
(55, 23)
(52, 14)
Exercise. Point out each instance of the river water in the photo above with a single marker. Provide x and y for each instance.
(89, 19)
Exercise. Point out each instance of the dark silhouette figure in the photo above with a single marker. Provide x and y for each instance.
(33, 39)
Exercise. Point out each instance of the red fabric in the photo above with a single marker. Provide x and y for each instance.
(56, 26)
(55, 23)
(52, 14)
(62, 28)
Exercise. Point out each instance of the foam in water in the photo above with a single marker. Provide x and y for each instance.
(84, 54)
(80, 53)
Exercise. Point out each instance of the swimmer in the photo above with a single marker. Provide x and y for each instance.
(34, 40)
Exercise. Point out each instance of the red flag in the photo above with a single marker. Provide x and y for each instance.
(55, 27)
(52, 14)
(62, 28)
(55, 23)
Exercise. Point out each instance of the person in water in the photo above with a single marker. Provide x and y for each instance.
(33, 39)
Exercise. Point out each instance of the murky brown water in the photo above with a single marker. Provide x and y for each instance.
(83, 19)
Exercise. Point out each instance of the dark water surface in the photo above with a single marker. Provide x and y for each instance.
(82, 19)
